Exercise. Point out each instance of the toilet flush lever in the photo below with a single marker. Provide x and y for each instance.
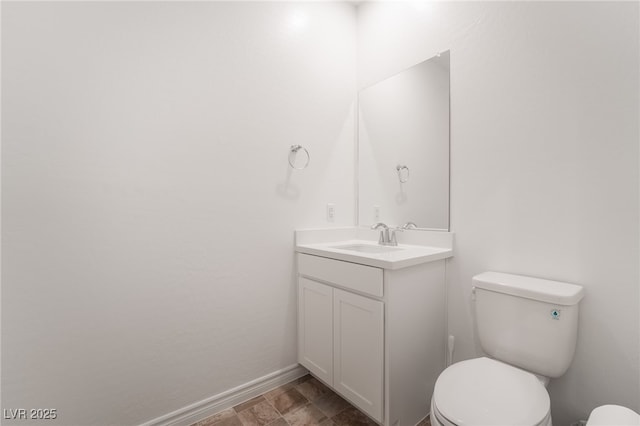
(473, 293)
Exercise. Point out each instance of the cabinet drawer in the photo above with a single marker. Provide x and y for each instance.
(361, 278)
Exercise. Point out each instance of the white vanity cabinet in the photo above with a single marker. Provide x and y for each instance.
(341, 333)
(376, 336)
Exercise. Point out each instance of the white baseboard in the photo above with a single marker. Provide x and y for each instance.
(200, 410)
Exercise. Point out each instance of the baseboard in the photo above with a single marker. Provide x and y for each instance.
(200, 410)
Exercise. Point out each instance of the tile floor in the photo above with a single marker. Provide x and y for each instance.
(302, 402)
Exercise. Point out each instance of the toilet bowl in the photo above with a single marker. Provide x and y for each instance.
(528, 328)
(613, 415)
(484, 391)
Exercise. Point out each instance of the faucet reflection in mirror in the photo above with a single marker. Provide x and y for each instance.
(404, 119)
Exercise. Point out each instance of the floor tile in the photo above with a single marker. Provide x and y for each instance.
(216, 418)
(302, 379)
(249, 403)
(331, 404)
(280, 389)
(352, 417)
(279, 422)
(309, 415)
(289, 401)
(231, 421)
(302, 402)
(313, 389)
(259, 414)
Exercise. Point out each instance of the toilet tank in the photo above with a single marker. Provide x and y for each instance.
(527, 322)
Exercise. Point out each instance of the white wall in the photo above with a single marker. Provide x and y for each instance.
(544, 153)
(148, 206)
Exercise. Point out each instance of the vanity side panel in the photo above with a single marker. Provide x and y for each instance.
(416, 339)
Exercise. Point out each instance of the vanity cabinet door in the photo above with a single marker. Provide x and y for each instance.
(358, 339)
(315, 328)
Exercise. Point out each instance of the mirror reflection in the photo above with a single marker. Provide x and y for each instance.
(403, 148)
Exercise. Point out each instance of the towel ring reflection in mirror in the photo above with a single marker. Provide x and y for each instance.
(403, 173)
(293, 153)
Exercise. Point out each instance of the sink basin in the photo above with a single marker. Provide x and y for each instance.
(367, 248)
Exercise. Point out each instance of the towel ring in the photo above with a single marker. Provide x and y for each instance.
(403, 173)
(294, 152)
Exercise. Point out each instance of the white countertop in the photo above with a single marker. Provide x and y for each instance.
(406, 255)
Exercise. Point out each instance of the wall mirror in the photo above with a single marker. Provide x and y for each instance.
(403, 148)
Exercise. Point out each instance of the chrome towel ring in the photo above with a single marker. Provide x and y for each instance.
(403, 173)
(292, 157)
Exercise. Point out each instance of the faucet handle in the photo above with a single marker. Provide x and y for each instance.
(409, 225)
(394, 241)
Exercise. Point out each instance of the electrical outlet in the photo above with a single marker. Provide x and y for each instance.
(331, 212)
(376, 214)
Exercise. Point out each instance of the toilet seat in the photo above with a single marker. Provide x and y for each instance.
(484, 391)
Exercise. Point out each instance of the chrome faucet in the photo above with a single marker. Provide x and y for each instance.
(384, 239)
(409, 225)
(384, 233)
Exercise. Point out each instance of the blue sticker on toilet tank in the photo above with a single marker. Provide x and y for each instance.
(555, 314)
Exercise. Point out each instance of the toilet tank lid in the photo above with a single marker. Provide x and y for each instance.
(548, 291)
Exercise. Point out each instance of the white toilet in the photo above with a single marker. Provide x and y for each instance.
(528, 326)
(613, 415)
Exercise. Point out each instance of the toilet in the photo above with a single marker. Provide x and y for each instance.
(613, 415)
(528, 328)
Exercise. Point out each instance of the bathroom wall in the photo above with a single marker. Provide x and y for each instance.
(544, 163)
(148, 206)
